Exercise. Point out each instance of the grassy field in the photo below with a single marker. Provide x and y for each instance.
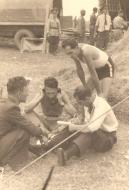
(109, 171)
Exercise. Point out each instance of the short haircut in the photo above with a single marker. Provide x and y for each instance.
(81, 93)
(69, 42)
(95, 9)
(51, 82)
(16, 83)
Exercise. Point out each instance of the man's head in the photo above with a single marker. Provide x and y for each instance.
(95, 10)
(51, 87)
(54, 12)
(83, 95)
(18, 87)
(69, 45)
(83, 12)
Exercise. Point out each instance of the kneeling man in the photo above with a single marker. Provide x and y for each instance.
(99, 133)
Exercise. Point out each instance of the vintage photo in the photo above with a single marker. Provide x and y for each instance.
(64, 96)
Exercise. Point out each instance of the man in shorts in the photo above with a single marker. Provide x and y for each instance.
(100, 65)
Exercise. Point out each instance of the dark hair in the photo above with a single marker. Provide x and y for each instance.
(16, 83)
(81, 93)
(69, 42)
(95, 9)
(51, 82)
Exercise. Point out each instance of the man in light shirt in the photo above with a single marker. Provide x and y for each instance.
(81, 26)
(119, 25)
(98, 132)
(103, 26)
(119, 22)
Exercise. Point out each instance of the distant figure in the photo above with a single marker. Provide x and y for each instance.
(53, 32)
(81, 26)
(103, 26)
(119, 24)
(93, 19)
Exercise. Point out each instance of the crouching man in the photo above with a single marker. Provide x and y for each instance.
(99, 133)
(15, 129)
(53, 102)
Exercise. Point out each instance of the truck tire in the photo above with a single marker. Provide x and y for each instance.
(22, 34)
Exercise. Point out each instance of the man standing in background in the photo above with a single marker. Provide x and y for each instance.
(53, 31)
(81, 26)
(93, 19)
(102, 29)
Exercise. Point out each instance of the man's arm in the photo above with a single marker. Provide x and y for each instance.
(79, 69)
(31, 105)
(69, 108)
(15, 118)
(93, 74)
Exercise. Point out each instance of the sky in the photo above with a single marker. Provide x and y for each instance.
(73, 7)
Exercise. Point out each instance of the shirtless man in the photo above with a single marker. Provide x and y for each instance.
(100, 65)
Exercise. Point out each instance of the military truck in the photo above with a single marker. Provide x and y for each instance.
(25, 18)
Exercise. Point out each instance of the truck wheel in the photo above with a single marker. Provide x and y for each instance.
(22, 34)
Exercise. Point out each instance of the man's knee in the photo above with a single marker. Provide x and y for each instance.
(103, 142)
(23, 135)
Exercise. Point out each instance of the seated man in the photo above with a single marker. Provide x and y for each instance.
(98, 133)
(53, 101)
(15, 129)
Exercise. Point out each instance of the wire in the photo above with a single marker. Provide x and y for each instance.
(66, 139)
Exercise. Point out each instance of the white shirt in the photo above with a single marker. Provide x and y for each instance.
(100, 23)
(102, 116)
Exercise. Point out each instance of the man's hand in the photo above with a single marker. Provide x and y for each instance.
(76, 121)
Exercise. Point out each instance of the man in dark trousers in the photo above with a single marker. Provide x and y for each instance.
(97, 132)
(15, 129)
(93, 19)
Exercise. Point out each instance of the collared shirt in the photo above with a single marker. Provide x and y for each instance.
(103, 22)
(119, 23)
(11, 119)
(102, 116)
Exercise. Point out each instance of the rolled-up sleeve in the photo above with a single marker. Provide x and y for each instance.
(97, 119)
(15, 118)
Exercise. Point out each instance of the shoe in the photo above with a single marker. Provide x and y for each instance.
(61, 157)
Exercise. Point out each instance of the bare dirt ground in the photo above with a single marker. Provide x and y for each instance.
(109, 171)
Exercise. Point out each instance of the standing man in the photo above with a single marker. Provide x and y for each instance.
(102, 29)
(53, 31)
(15, 129)
(100, 65)
(93, 19)
(81, 26)
(98, 133)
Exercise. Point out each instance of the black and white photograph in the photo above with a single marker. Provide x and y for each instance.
(64, 94)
